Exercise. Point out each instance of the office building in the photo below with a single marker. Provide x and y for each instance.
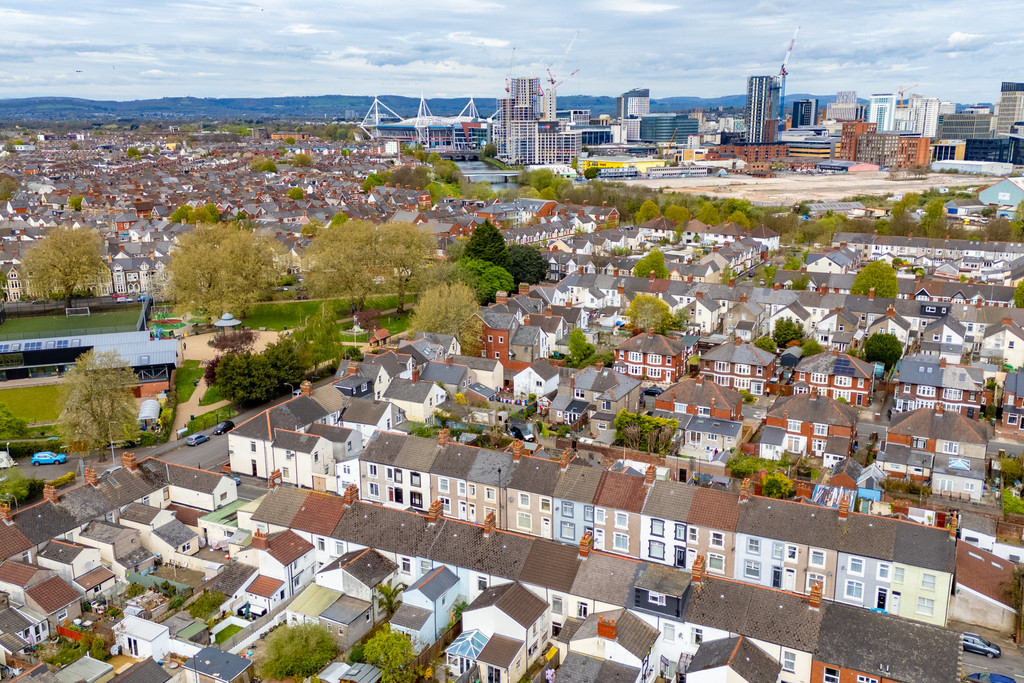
(630, 107)
(1007, 149)
(805, 114)
(964, 126)
(523, 137)
(923, 116)
(1011, 107)
(762, 109)
(851, 132)
(882, 111)
(947, 108)
(667, 127)
(845, 108)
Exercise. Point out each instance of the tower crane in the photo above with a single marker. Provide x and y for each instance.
(903, 90)
(508, 78)
(552, 78)
(783, 72)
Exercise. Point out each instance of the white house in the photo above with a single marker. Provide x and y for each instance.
(142, 638)
(540, 379)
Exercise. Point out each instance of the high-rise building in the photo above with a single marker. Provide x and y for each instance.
(964, 126)
(947, 108)
(805, 113)
(667, 127)
(523, 136)
(922, 116)
(762, 108)
(1011, 106)
(630, 107)
(882, 111)
(845, 108)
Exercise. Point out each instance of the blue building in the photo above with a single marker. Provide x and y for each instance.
(1007, 192)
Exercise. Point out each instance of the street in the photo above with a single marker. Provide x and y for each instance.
(1010, 664)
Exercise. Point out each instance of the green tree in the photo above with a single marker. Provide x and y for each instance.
(388, 597)
(75, 203)
(1018, 295)
(653, 262)
(787, 330)
(933, 222)
(15, 485)
(346, 261)
(488, 245)
(302, 160)
(527, 264)
(246, 378)
(739, 218)
(10, 424)
(800, 283)
(392, 653)
(206, 603)
(8, 187)
(708, 214)
(885, 348)
(579, 348)
(298, 651)
(777, 485)
(403, 249)
(765, 344)
(375, 180)
(679, 214)
(320, 334)
(810, 347)
(207, 214)
(98, 403)
(591, 172)
(909, 202)
(648, 312)
(444, 309)
(490, 281)
(1011, 471)
(338, 219)
(182, 214)
(879, 276)
(648, 210)
(262, 164)
(65, 262)
(295, 193)
(133, 153)
(287, 361)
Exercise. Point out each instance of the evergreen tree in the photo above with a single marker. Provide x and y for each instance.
(487, 244)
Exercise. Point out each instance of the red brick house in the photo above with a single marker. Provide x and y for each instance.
(697, 396)
(809, 423)
(836, 375)
(740, 366)
(652, 356)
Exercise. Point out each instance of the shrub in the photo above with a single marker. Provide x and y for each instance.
(98, 650)
(207, 602)
(747, 396)
(68, 478)
(176, 602)
(1012, 505)
(134, 590)
(357, 655)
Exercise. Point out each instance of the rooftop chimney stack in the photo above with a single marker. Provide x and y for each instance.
(91, 477)
(435, 512)
(565, 459)
(745, 490)
(650, 474)
(697, 570)
(128, 461)
(954, 524)
(606, 628)
(489, 523)
(443, 436)
(306, 388)
(351, 495)
(5, 513)
(814, 600)
(259, 540)
(844, 508)
(586, 544)
(517, 450)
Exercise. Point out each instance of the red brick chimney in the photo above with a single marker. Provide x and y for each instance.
(804, 489)
(745, 490)
(939, 408)
(353, 367)
(954, 524)
(586, 544)
(489, 523)
(448, 361)
(259, 540)
(697, 570)
(435, 512)
(276, 477)
(306, 388)
(652, 276)
(599, 365)
(565, 459)
(649, 475)
(743, 298)
(5, 513)
(835, 352)
(517, 450)
(942, 362)
(738, 341)
(415, 374)
(128, 461)
(890, 312)
(501, 298)
(620, 289)
(351, 495)
(524, 288)
(443, 437)
(699, 379)
(814, 599)
(844, 507)
(871, 294)
(606, 628)
(777, 286)
(90, 477)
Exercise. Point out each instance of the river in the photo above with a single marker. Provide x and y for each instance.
(476, 171)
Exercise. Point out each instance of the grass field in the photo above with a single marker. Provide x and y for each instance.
(211, 396)
(207, 420)
(227, 632)
(35, 404)
(291, 314)
(184, 380)
(22, 327)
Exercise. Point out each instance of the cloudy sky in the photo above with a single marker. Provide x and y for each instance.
(118, 49)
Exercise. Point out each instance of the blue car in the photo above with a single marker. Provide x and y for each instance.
(49, 458)
(196, 439)
(991, 678)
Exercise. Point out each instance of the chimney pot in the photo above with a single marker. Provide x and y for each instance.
(489, 522)
(5, 513)
(586, 544)
(745, 490)
(954, 524)
(606, 628)
(91, 477)
(435, 512)
(517, 450)
(844, 508)
(942, 362)
(738, 341)
(128, 461)
(871, 294)
(697, 571)
(650, 474)
(443, 436)
(351, 495)
(814, 600)
(565, 459)
(306, 388)
(259, 540)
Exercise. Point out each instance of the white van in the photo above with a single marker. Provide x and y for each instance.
(6, 460)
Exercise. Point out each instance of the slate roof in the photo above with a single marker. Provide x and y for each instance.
(231, 578)
(607, 578)
(410, 617)
(663, 579)
(910, 651)
(606, 383)
(137, 512)
(217, 664)
(578, 483)
(747, 354)
(552, 565)
(826, 363)
(367, 566)
(52, 594)
(280, 506)
(500, 651)
(435, 583)
(410, 452)
(926, 370)
(535, 475)
(519, 604)
(580, 668)
(190, 478)
(174, 533)
(690, 391)
(365, 411)
(146, 671)
(653, 343)
(749, 661)
(297, 442)
(946, 426)
(814, 408)
(61, 551)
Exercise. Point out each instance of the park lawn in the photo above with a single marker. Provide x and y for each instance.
(184, 380)
(291, 314)
(22, 327)
(211, 396)
(34, 404)
(209, 419)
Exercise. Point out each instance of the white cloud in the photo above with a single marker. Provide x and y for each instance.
(959, 39)
(466, 38)
(636, 6)
(304, 30)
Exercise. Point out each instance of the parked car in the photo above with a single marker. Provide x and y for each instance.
(653, 391)
(223, 427)
(49, 458)
(975, 643)
(992, 678)
(196, 439)
(6, 460)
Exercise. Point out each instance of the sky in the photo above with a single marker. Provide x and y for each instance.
(128, 49)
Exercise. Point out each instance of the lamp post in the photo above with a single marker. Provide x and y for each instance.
(110, 433)
(291, 389)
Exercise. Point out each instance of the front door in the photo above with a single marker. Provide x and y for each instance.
(545, 528)
(776, 577)
(894, 603)
(599, 539)
(881, 601)
(462, 509)
(691, 556)
(254, 468)
(680, 557)
(789, 580)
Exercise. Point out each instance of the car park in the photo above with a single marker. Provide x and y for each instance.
(223, 427)
(49, 458)
(978, 645)
(196, 439)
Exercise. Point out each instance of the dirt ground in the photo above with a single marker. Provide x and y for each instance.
(792, 188)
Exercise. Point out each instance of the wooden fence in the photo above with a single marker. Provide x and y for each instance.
(429, 654)
(69, 633)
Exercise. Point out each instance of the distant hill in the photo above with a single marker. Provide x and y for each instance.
(312, 107)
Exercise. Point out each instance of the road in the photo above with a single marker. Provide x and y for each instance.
(1010, 664)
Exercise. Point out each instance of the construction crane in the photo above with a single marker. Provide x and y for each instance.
(903, 90)
(552, 78)
(781, 80)
(508, 78)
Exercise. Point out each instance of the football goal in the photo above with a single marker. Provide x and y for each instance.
(75, 311)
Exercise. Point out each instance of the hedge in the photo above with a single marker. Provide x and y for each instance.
(25, 449)
(68, 478)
